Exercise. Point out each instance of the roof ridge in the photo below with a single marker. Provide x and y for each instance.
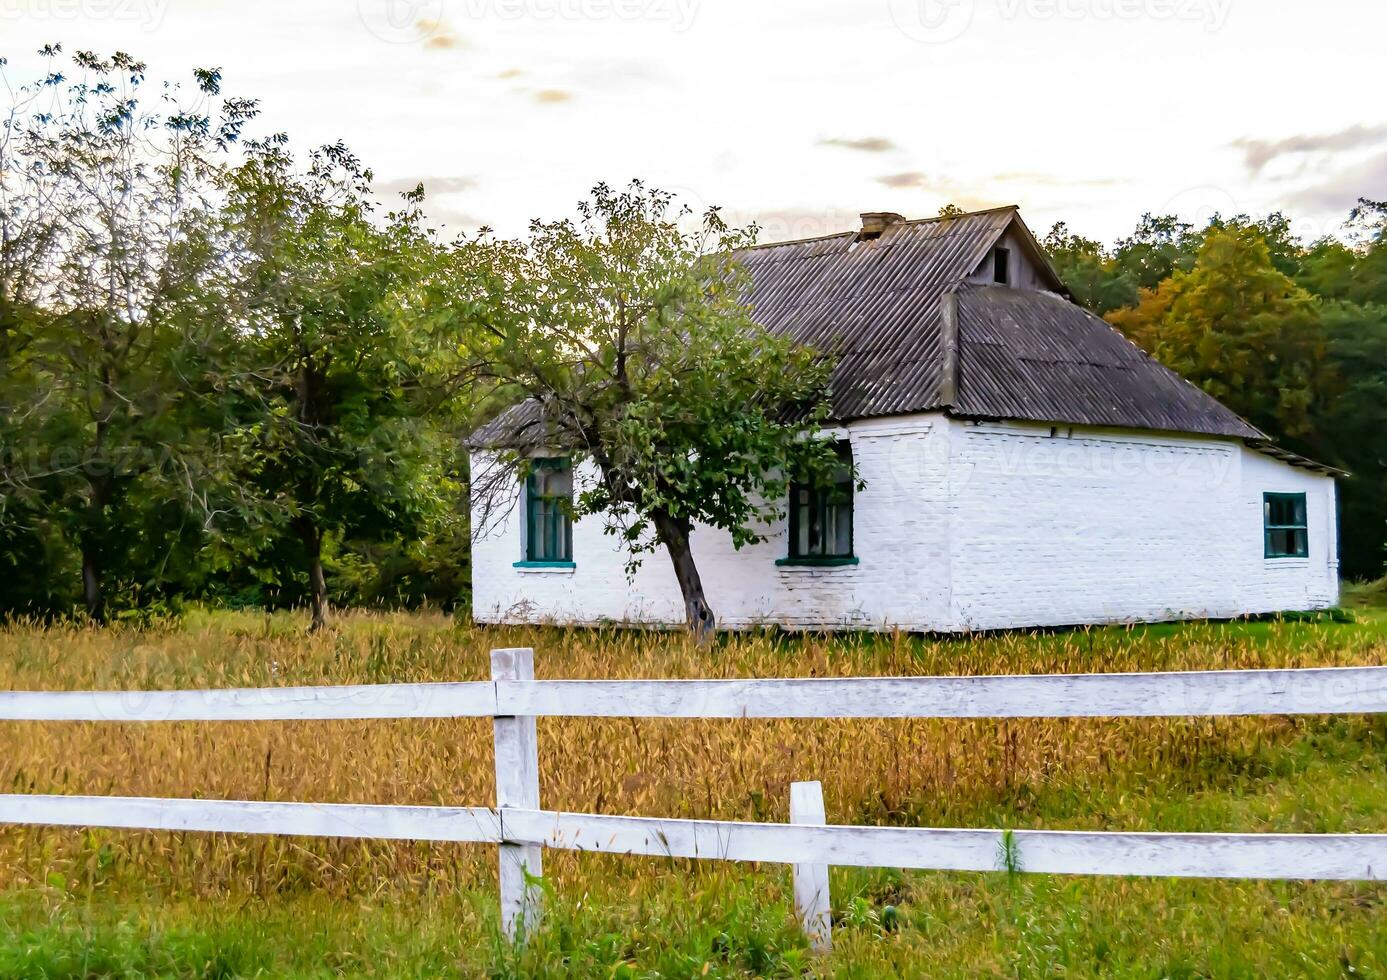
(907, 221)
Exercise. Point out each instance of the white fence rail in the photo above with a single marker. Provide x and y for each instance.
(1327, 690)
(523, 830)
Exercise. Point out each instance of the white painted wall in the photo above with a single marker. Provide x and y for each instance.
(1060, 525)
(971, 526)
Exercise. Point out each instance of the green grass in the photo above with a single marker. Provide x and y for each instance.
(114, 904)
(1367, 598)
(705, 921)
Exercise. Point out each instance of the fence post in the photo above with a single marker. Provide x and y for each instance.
(812, 902)
(517, 785)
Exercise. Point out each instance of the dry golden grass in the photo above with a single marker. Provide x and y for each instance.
(931, 772)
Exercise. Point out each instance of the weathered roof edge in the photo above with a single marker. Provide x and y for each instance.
(1270, 448)
(1264, 446)
(1038, 254)
(488, 435)
(899, 224)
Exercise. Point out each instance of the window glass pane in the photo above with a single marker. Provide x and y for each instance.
(1285, 525)
(552, 482)
(821, 516)
(842, 530)
(549, 530)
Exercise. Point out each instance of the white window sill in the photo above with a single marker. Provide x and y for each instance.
(1286, 562)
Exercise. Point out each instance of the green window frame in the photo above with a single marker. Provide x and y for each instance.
(821, 518)
(1285, 525)
(548, 505)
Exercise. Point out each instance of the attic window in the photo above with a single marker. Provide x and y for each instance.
(1001, 265)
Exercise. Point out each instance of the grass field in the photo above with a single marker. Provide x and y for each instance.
(104, 903)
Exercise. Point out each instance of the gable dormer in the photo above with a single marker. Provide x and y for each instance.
(1015, 260)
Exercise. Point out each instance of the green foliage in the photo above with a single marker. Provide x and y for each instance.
(105, 200)
(1160, 246)
(208, 366)
(1093, 278)
(1241, 329)
(327, 425)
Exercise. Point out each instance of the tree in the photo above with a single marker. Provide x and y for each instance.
(1160, 246)
(1088, 271)
(1351, 280)
(1243, 331)
(329, 427)
(105, 218)
(1327, 269)
(1355, 429)
(633, 341)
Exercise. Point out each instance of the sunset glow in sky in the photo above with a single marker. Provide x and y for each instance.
(797, 114)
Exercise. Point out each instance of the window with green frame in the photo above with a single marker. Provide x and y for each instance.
(1284, 525)
(821, 516)
(548, 496)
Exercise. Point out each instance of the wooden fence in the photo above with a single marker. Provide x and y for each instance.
(514, 699)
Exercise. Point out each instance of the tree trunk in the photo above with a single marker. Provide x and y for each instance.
(674, 534)
(312, 540)
(89, 541)
(91, 585)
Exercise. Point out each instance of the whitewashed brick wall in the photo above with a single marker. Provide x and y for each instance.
(970, 526)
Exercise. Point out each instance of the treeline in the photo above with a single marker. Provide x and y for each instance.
(226, 370)
(231, 374)
(1293, 336)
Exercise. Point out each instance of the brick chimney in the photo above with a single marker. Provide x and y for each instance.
(875, 222)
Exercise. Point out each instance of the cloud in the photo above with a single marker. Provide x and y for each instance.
(911, 178)
(867, 144)
(433, 186)
(1341, 191)
(617, 75)
(437, 35)
(1257, 153)
(552, 96)
(510, 73)
(442, 205)
(1036, 179)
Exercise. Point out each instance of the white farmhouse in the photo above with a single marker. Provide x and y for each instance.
(1025, 465)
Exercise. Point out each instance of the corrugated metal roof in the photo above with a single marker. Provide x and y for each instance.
(1036, 356)
(875, 304)
(882, 307)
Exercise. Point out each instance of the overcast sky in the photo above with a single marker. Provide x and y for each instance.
(799, 114)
